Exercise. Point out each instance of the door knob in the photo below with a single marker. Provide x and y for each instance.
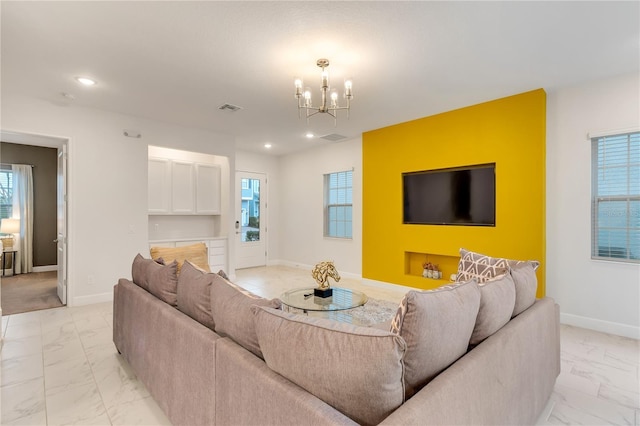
(55, 241)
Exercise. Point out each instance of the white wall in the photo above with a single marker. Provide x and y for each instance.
(269, 165)
(594, 294)
(107, 184)
(301, 201)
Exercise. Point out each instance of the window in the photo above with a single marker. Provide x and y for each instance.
(6, 193)
(615, 212)
(337, 204)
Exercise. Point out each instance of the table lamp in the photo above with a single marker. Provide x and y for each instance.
(9, 226)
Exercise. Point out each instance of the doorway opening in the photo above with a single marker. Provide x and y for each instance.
(35, 267)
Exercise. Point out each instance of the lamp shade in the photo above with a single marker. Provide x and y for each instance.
(10, 226)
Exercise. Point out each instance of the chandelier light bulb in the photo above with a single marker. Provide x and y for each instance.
(298, 83)
(348, 86)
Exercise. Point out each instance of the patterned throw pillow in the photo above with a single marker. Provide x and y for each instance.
(483, 268)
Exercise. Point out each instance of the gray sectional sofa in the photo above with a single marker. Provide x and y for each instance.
(253, 364)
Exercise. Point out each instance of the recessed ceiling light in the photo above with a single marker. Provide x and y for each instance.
(267, 145)
(86, 81)
(309, 135)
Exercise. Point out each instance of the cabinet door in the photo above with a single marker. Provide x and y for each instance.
(182, 187)
(218, 255)
(207, 189)
(159, 186)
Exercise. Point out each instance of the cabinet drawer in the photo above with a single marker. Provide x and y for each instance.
(216, 251)
(217, 243)
(216, 259)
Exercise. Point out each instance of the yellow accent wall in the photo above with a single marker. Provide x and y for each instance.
(509, 132)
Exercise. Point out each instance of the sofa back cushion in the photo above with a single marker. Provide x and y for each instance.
(357, 370)
(194, 294)
(231, 312)
(526, 284)
(483, 268)
(197, 254)
(157, 278)
(497, 298)
(437, 326)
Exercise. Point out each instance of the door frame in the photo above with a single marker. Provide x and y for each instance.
(49, 141)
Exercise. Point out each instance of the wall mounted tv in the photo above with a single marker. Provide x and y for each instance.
(456, 196)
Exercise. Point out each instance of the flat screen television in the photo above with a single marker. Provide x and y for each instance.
(456, 196)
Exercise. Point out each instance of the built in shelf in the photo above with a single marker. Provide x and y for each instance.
(413, 262)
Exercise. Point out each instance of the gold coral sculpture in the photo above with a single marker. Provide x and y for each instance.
(321, 273)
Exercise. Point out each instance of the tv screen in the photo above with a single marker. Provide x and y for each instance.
(457, 196)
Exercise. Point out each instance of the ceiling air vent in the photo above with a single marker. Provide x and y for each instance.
(229, 107)
(333, 137)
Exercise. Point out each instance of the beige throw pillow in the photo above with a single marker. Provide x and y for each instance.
(194, 294)
(195, 253)
(163, 281)
(436, 326)
(357, 370)
(497, 298)
(231, 312)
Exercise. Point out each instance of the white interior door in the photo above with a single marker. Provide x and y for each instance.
(61, 240)
(251, 219)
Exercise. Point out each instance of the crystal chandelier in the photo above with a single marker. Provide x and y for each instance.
(329, 101)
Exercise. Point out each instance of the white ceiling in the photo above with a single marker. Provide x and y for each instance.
(178, 61)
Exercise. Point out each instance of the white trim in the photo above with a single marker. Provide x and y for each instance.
(47, 268)
(616, 328)
(92, 299)
(306, 267)
(383, 284)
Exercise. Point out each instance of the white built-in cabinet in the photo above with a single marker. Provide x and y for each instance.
(183, 187)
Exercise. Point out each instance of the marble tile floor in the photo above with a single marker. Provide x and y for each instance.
(59, 366)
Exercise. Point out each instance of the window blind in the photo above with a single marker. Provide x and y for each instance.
(616, 197)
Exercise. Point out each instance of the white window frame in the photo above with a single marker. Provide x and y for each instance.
(629, 196)
(348, 221)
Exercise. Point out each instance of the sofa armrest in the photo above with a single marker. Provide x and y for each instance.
(506, 379)
(248, 392)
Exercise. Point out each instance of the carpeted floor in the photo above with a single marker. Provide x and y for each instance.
(29, 292)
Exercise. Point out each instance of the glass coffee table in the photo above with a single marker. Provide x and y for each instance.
(342, 299)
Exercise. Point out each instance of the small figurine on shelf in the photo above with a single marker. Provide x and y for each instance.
(431, 271)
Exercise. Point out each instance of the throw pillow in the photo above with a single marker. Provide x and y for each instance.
(526, 283)
(163, 281)
(231, 312)
(437, 326)
(194, 294)
(497, 298)
(482, 267)
(139, 270)
(194, 253)
(357, 370)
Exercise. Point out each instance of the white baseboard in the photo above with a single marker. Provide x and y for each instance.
(383, 284)
(600, 325)
(47, 268)
(90, 300)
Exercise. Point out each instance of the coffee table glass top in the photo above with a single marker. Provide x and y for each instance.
(342, 298)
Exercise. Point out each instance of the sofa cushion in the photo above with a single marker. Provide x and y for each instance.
(357, 370)
(157, 278)
(526, 284)
(497, 298)
(195, 253)
(437, 326)
(139, 270)
(194, 294)
(482, 267)
(231, 312)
